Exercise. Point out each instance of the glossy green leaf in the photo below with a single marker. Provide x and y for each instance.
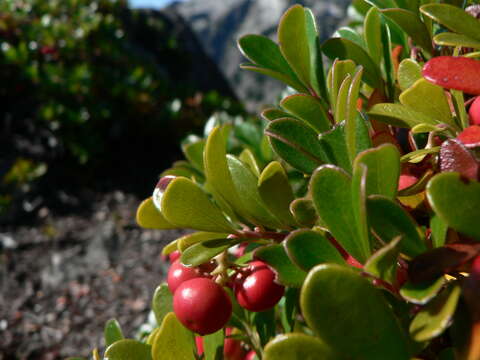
(213, 345)
(351, 34)
(276, 75)
(288, 273)
(297, 346)
(351, 306)
(462, 118)
(339, 70)
(187, 205)
(296, 143)
(389, 220)
(346, 49)
(304, 212)
(351, 123)
(307, 108)
(289, 308)
(421, 293)
(387, 49)
(436, 316)
(265, 325)
(437, 105)
(341, 106)
(162, 302)
(173, 341)
(383, 164)
(203, 251)
(128, 349)
(453, 39)
(276, 192)
(413, 26)
(149, 217)
(274, 114)
(331, 190)
(292, 37)
(308, 248)
(194, 153)
(426, 128)
(334, 145)
(247, 157)
(112, 332)
(399, 115)
(456, 201)
(246, 184)
(454, 18)
(439, 231)
(372, 34)
(408, 73)
(188, 240)
(383, 264)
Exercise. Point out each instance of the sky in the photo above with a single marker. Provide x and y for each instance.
(149, 3)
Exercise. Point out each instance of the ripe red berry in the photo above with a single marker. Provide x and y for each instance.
(202, 305)
(251, 355)
(474, 112)
(232, 349)
(179, 273)
(199, 343)
(406, 181)
(174, 256)
(256, 289)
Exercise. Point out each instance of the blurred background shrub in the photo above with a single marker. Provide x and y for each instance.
(94, 94)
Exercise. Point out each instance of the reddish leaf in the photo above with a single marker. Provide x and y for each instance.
(449, 258)
(470, 137)
(454, 156)
(451, 72)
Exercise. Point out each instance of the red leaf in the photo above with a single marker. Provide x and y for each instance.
(470, 137)
(452, 72)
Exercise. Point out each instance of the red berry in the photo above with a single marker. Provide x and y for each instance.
(199, 343)
(470, 137)
(202, 306)
(474, 111)
(174, 256)
(232, 349)
(256, 289)
(179, 273)
(406, 181)
(251, 355)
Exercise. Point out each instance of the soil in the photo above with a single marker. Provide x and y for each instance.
(64, 277)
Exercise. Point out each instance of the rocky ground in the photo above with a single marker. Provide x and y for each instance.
(63, 277)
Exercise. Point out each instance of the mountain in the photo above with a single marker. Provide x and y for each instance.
(218, 25)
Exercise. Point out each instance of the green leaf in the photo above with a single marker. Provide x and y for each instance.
(452, 39)
(456, 201)
(246, 184)
(341, 106)
(412, 25)
(188, 240)
(297, 346)
(296, 143)
(276, 75)
(389, 220)
(274, 114)
(289, 308)
(128, 349)
(383, 164)
(308, 248)
(202, 252)
(112, 332)
(173, 341)
(194, 153)
(339, 305)
(304, 212)
(383, 264)
(399, 115)
(162, 302)
(276, 256)
(294, 44)
(408, 73)
(331, 190)
(334, 144)
(308, 109)
(265, 325)
(149, 217)
(388, 65)
(437, 105)
(338, 72)
(213, 345)
(186, 205)
(439, 231)
(421, 293)
(436, 316)
(372, 34)
(247, 157)
(351, 122)
(276, 192)
(346, 49)
(454, 18)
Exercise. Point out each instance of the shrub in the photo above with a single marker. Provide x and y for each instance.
(376, 242)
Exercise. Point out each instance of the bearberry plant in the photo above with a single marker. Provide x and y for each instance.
(357, 237)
